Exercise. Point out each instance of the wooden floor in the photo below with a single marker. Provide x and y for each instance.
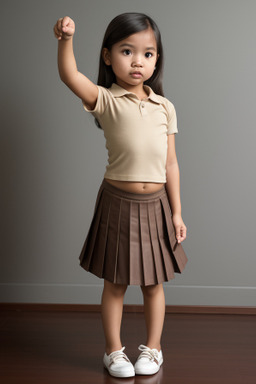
(67, 348)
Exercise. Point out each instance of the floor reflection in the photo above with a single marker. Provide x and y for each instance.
(152, 379)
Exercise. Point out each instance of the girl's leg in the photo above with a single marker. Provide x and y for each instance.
(154, 308)
(111, 312)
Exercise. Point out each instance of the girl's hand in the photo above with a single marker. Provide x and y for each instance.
(64, 29)
(180, 228)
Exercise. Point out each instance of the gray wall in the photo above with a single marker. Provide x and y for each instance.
(53, 156)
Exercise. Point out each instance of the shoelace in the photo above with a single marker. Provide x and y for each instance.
(151, 354)
(118, 355)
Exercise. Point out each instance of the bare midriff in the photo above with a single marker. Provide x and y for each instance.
(135, 187)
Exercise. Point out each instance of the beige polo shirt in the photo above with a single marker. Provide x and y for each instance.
(136, 133)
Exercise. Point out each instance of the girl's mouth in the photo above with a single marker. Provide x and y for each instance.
(136, 75)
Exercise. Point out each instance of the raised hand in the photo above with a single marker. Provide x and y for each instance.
(64, 29)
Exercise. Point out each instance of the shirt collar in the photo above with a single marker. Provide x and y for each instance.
(118, 91)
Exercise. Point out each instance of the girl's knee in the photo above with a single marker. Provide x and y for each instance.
(117, 290)
(152, 290)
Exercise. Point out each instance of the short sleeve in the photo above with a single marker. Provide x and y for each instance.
(102, 101)
(172, 119)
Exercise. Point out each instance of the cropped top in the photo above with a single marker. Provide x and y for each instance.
(136, 133)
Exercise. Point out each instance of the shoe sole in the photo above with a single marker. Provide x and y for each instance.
(116, 374)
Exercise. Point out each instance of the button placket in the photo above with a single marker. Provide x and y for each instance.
(143, 108)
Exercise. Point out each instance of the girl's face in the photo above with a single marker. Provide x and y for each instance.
(133, 59)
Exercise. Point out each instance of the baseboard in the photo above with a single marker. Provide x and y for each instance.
(90, 294)
(185, 309)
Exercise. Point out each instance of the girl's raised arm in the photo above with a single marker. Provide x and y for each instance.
(64, 30)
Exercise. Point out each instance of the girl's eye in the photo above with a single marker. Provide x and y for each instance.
(126, 52)
(148, 55)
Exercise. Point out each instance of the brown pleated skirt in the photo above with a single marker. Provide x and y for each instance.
(131, 239)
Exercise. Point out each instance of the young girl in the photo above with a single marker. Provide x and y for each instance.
(137, 229)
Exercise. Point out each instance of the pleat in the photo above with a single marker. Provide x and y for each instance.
(92, 234)
(176, 248)
(157, 253)
(136, 268)
(98, 258)
(167, 260)
(113, 231)
(123, 267)
(148, 264)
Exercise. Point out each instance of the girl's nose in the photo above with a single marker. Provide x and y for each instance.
(137, 62)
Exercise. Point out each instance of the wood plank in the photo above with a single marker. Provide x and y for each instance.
(67, 347)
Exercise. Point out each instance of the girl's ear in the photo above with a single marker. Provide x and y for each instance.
(106, 56)
(156, 61)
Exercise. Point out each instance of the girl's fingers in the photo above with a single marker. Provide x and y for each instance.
(180, 228)
(180, 233)
(177, 229)
(59, 24)
(183, 233)
(65, 21)
(67, 25)
(57, 32)
(58, 29)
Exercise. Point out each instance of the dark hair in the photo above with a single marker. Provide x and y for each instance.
(120, 28)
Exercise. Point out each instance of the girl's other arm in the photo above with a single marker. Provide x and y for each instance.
(86, 90)
(173, 189)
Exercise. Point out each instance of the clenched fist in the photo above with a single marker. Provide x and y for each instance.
(64, 29)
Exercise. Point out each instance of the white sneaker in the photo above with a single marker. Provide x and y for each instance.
(118, 364)
(149, 361)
